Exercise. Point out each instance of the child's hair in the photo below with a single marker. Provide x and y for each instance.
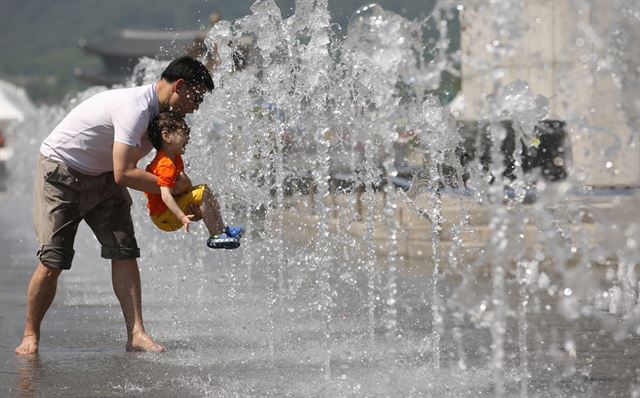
(169, 121)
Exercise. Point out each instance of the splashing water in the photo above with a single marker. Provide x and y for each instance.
(460, 283)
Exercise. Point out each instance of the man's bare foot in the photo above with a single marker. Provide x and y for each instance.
(29, 345)
(142, 342)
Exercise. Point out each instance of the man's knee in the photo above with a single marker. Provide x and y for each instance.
(55, 256)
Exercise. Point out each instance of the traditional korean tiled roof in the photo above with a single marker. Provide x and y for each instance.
(128, 43)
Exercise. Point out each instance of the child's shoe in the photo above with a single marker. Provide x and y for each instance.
(223, 241)
(234, 231)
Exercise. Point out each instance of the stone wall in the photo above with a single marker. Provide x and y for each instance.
(582, 56)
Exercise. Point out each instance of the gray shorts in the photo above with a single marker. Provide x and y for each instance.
(63, 197)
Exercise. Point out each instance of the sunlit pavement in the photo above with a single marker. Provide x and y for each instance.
(211, 311)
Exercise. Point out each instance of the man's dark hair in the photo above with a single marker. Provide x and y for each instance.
(189, 69)
(169, 121)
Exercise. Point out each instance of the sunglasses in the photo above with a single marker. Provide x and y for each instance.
(196, 95)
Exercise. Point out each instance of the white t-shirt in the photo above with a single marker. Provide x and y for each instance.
(84, 138)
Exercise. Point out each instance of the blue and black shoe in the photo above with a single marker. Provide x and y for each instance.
(234, 231)
(223, 241)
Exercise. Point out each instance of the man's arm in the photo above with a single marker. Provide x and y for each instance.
(126, 171)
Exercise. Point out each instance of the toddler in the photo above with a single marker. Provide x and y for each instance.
(169, 134)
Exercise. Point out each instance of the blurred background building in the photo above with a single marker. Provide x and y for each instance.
(583, 57)
(120, 52)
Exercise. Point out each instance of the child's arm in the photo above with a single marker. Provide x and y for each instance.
(168, 200)
(184, 186)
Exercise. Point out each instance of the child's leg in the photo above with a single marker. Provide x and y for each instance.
(211, 213)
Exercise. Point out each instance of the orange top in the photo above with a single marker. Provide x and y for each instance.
(167, 171)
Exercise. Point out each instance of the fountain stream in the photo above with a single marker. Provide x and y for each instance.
(350, 262)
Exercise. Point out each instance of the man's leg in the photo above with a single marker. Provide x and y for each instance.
(125, 277)
(40, 294)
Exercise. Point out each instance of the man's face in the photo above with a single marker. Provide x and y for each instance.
(186, 98)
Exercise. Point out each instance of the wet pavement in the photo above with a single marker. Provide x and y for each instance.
(212, 312)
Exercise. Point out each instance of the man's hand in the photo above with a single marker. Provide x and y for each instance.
(183, 184)
(126, 171)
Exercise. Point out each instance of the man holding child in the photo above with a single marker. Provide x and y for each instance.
(84, 167)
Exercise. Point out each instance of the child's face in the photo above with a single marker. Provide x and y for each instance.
(175, 141)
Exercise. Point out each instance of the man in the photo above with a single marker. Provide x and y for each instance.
(83, 168)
